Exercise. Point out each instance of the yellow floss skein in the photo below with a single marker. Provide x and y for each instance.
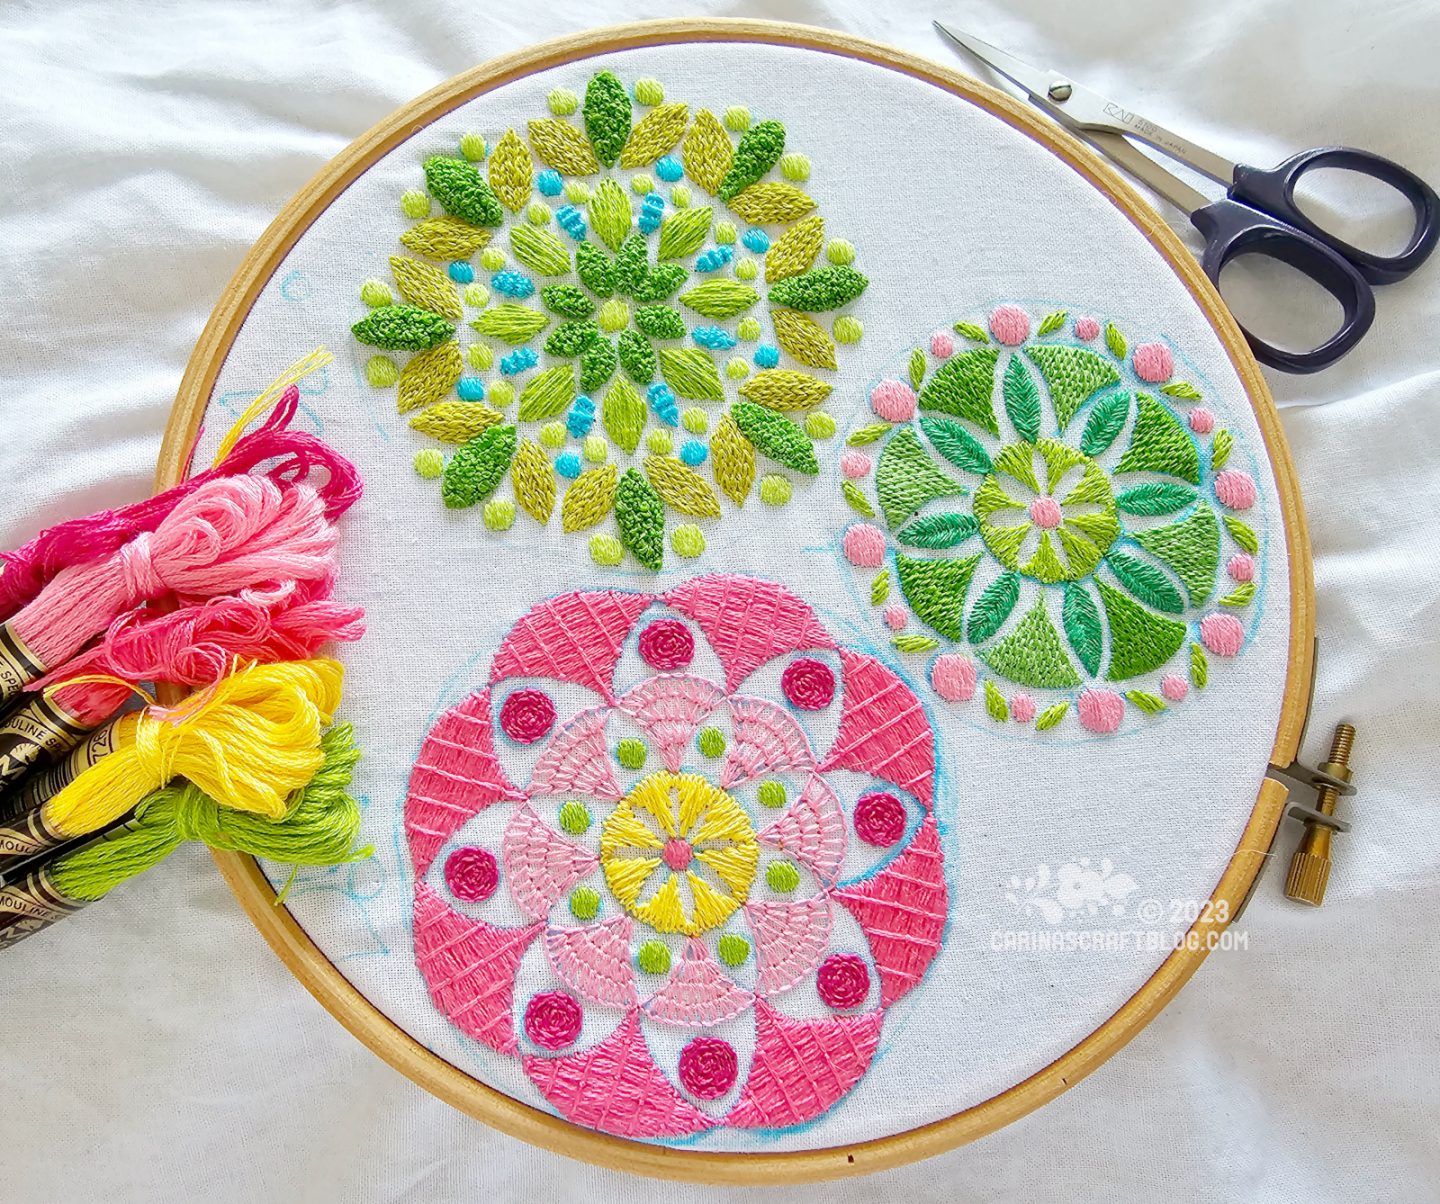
(248, 742)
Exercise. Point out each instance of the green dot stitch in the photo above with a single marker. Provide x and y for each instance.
(499, 515)
(660, 443)
(654, 957)
(776, 490)
(574, 818)
(606, 550)
(782, 876)
(376, 293)
(415, 204)
(732, 949)
(687, 540)
(381, 371)
(711, 742)
(429, 463)
(584, 903)
(562, 102)
(631, 753)
(771, 793)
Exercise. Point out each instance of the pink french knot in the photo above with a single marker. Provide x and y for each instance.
(812, 829)
(455, 776)
(669, 709)
(1224, 635)
(748, 622)
(800, 1068)
(790, 938)
(698, 994)
(574, 637)
(764, 739)
(1010, 325)
(1022, 708)
(883, 729)
(616, 1087)
(893, 400)
(595, 960)
(902, 912)
(1154, 362)
(1086, 329)
(1235, 489)
(1100, 711)
(470, 968)
(540, 864)
(577, 759)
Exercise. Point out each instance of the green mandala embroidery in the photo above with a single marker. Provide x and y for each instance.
(1051, 505)
(625, 250)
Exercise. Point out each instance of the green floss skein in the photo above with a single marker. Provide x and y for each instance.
(320, 827)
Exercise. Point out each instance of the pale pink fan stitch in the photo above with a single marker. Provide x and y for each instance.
(789, 939)
(595, 960)
(577, 759)
(669, 708)
(883, 729)
(699, 993)
(574, 637)
(540, 864)
(812, 829)
(765, 740)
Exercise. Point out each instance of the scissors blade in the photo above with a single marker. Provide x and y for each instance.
(1081, 110)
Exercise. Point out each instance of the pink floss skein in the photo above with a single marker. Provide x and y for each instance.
(229, 534)
(28, 569)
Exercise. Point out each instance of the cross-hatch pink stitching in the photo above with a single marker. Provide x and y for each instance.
(641, 898)
(1052, 519)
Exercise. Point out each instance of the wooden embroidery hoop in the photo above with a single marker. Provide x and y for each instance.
(355, 1012)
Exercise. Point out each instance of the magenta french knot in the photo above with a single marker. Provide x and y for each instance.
(843, 981)
(472, 874)
(527, 716)
(667, 644)
(879, 819)
(809, 684)
(553, 1019)
(708, 1067)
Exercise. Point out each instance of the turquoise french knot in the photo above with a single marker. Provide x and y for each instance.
(582, 417)
(669, 169)
(651, 210)
(550, 182)
(470, 388)
(757, 240)
(522, 359)
(713, 337)
(714, 258)
(767, 356)
(572, 221)
(663, 402)
(567, 464)
(694, 452)
(513, 284)
(462, 273)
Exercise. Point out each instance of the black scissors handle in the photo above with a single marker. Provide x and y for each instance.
(1273, 192)
(1232, 229)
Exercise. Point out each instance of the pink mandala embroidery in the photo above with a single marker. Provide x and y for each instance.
(696, 801)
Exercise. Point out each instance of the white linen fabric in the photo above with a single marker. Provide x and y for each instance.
(149, 151)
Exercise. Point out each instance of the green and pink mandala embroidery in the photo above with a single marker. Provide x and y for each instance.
(1052, 521)
(585, 311)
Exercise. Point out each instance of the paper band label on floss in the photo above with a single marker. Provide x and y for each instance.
(39, 787)
(28, 837)
(38, 730)
(32, 905)
(18, 665)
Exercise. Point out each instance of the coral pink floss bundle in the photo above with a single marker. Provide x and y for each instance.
(229, 534)
(298, 456)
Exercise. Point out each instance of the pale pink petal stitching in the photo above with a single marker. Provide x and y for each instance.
(812, 830)
(748, 622)
(595, 960)
(902, 911)
(455, 776)
(669, 708)
(573, 637)
(540, 864)
(616, 1087)
(883, 729)
(698, 993)
(765, 740)
(789, 939)
(577, 759)
(470, 968)
(802, 1067)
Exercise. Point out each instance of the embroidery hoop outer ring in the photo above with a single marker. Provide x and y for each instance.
(484, 1103)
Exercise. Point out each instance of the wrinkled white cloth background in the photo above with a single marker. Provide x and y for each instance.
(155, 1049)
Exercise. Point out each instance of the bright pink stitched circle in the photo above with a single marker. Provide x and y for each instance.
(527, 716)
(553, 1019)
(677, 854)
(879, 818)
(808, 684)
(472, 874)
(708, 1067)
(667, 644)
(843, 980)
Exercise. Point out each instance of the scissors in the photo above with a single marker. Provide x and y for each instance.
(1258, 215)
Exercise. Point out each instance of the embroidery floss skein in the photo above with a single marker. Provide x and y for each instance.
(248, 741)
(298, 455)
(321, 826)
(193, 646)
(230, 533)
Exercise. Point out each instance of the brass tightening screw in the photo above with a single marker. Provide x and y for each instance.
(1310, 866)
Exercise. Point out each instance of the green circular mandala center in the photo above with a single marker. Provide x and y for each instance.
(1047, 511)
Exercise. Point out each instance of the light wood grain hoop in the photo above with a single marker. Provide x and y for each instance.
(462, 1091)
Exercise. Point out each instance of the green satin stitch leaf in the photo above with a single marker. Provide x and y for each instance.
(607, 116)
(1140, 641)
(938, 530)
(692, 374)
(935, 590)
(1105, 423)
(1072, 374)
(477, 468)
(610, 214)
(510, 322)
(992, 608)
(1242, 595)
(1115, 341)
(995, 704)
(623, 415)
(1022, 400)
(1220, 449)
(1242, 534)
(1146, 582)
(1051, 322)
(1181, 389)
(1081, 618)
(776, 436)
(976, 334)
(880, 588)
(1157, 497)
(855, 498)
(1199, 666)
(540, 250)
(963, 387)
(1050, 716)
(867, 434)
(1190, 548)
(720, 299)
(956, 444)
(640, 515)
(906, 478)
(918, 364)
(907, 642)
(1160, 444)
(683, 231)
(1032, 654)
(547, 394)
(1149, 703)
